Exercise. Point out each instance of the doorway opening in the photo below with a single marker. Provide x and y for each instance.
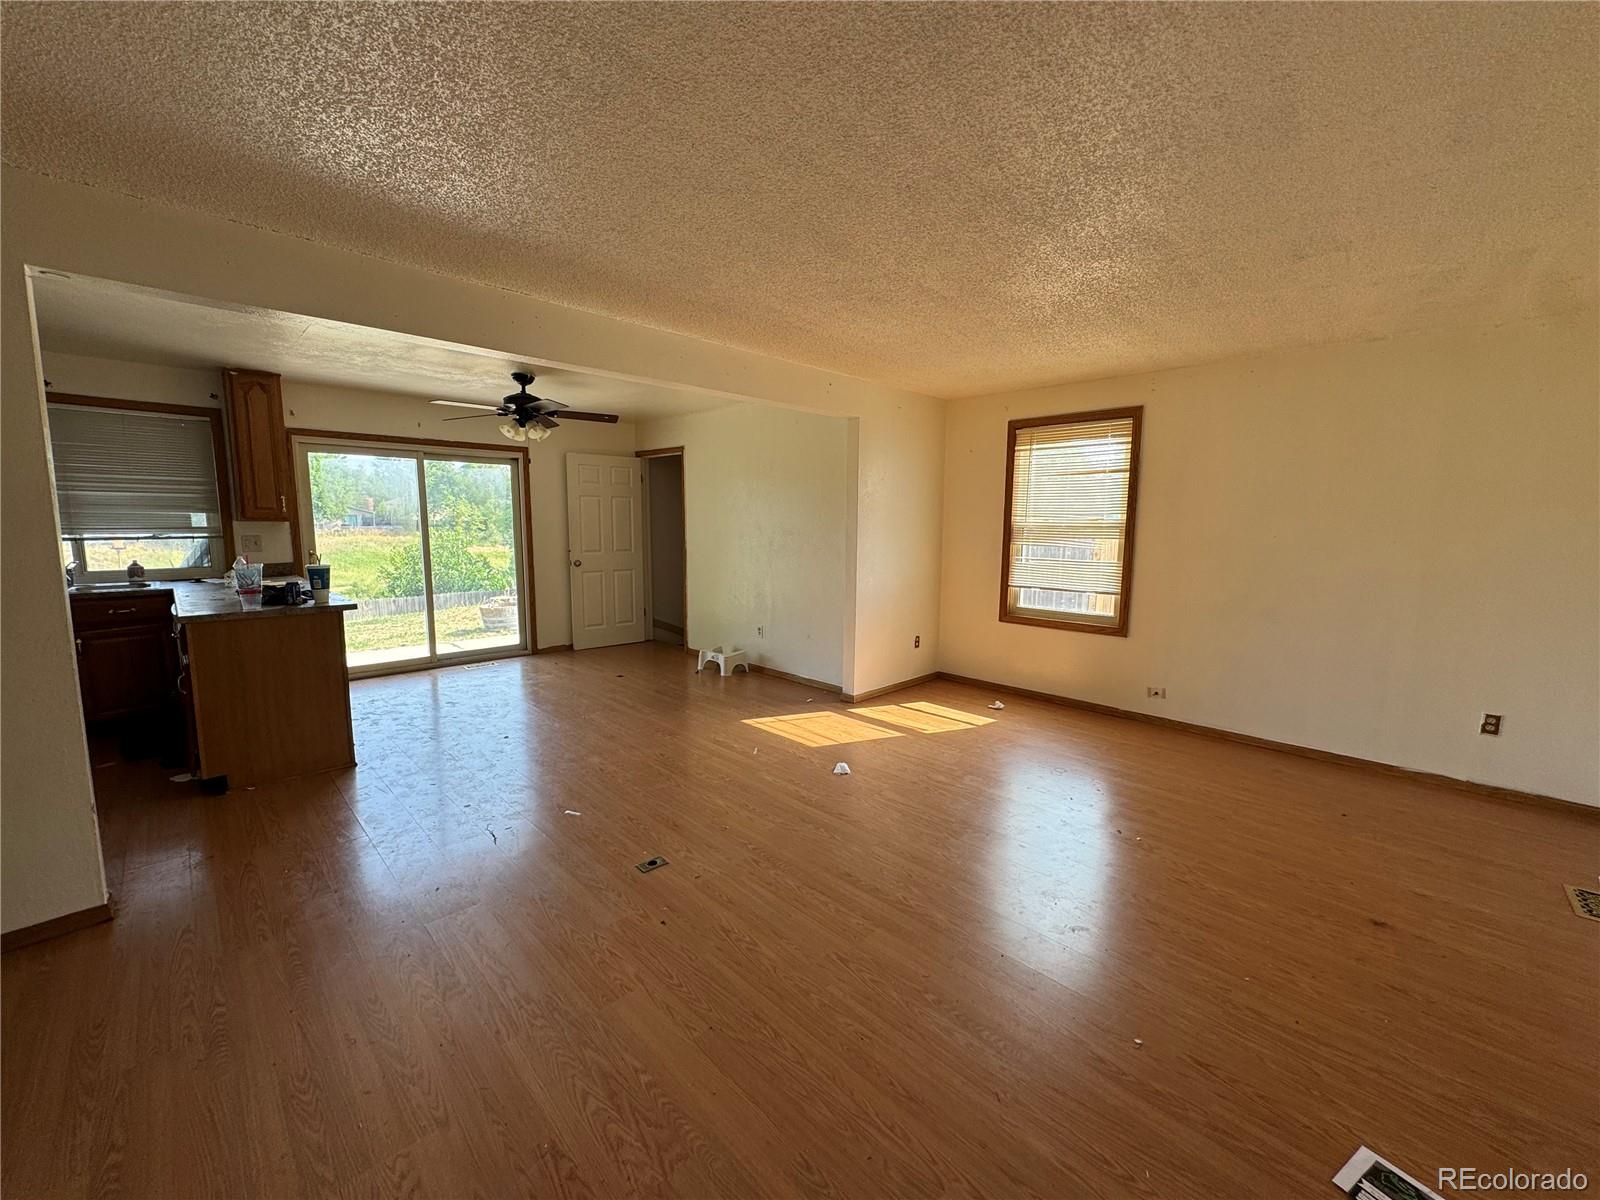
(667, 546)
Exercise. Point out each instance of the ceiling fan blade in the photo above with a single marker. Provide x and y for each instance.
(473, 416)
(573, 414)
(546, 421)
(541, 404)
(462, 404)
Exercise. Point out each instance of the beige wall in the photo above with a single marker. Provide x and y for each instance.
(49, 840)
(120, 380)
(51, 856)
(900, 486)
(352, 410)
(765, 506)
(1357, 548)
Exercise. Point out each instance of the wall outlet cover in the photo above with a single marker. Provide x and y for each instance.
(250, 543)
(1490, 724)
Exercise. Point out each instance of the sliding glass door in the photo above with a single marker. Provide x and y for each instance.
(366, 523)
(472, 539)
(428, 544)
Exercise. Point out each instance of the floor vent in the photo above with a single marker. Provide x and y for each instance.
(1585, 902)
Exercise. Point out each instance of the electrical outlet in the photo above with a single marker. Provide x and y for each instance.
(250, 543)
(916, 642)
(1490, 724)
(1155, 693)
(761, 631)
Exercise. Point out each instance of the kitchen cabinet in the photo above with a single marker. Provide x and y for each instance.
(121, 672)
(257, 444)
(127, 658)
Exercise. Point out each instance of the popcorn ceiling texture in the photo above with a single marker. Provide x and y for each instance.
(950, 198)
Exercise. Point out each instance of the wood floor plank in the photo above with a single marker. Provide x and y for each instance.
(1055, 954)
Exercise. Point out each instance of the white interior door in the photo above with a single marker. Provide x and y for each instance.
(605, 550)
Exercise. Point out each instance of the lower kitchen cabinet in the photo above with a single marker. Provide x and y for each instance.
(128, 670)
(125, 672)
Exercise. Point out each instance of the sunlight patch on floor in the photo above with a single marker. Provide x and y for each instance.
(924, 717)
(820, 728)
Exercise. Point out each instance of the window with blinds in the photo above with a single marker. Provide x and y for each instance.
(1070, 490)
(136, 484)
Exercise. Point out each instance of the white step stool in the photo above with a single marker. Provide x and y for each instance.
(726, 660)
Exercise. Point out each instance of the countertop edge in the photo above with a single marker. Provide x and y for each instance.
(275, 610)
(192, 601)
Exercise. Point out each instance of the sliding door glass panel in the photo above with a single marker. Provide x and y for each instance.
(472, 540)
(366, 518)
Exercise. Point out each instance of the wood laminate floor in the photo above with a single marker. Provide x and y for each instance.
(1059, 955)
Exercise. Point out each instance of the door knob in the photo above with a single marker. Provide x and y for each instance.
(577, 562)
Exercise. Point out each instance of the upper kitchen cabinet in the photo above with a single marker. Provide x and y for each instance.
(254, 401)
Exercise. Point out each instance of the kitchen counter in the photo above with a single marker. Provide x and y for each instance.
(197, 600)
(219, 602)
(261, 699)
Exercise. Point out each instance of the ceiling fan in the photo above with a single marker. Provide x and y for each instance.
(525, 417)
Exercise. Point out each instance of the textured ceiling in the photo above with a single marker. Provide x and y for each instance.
(951, 198)
(100, 319)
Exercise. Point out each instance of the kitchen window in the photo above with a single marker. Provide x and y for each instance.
(1067, 555)
(138, 482)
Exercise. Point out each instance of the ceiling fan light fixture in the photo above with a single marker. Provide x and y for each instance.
(524, 417)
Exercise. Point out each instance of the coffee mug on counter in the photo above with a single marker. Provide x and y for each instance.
(319, 575)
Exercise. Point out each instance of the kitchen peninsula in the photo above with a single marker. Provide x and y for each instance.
(265, 688)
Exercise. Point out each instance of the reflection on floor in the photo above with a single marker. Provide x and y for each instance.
(836, 729)
(924, 717)
(820, 728)
(1067, 956)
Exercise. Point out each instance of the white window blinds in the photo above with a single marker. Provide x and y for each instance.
(1069, 533)
(121, 473)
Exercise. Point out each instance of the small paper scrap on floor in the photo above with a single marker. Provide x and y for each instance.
(571, 812)
(841, 768)
(1368, 1177)
(1139, 1042)
(996, 704)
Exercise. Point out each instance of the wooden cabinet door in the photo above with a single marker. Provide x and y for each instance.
(256, 441)
(124, 671)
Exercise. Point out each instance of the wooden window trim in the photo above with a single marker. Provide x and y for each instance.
(1120, 628)
(219, 449)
